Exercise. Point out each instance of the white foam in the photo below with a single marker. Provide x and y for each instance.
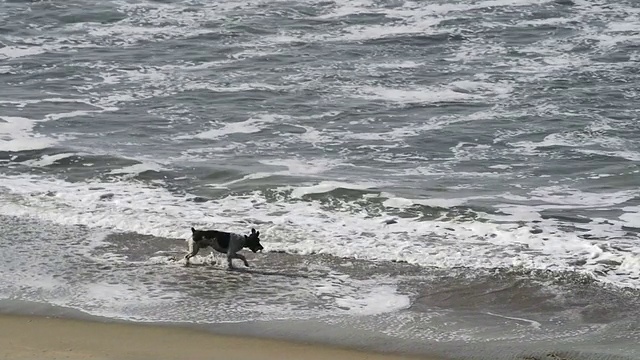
(136, 169)
(315, 136)
(249, 126)
(398, 202)
(348, 231)
(500, 89)
(418, 10)
(6, 69)
(156, 211)
(71, 114)
(327, 186)
(252, 176)
(555, 21)
(631, 215)
(200, 85)
(407, 64)
(16, 134)
(23, 103)
(501, 167)
(533, 323)
(437, 171)
(205, 153)
(417, 18)
(622, 154)
(109, 292)
(563, 196)
(367, 32)
(348, 8)
(414, 129)
(12, 52)
(378, 300)
(127, 35)
(297, 166)
(396, 134)
(40, 45)
(413, 96)
(575, 139)
(47, 160)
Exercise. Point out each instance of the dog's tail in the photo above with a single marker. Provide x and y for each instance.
(190, 238)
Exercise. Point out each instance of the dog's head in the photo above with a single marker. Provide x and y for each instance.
(253, 241)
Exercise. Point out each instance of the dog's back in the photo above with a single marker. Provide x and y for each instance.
(219, 240)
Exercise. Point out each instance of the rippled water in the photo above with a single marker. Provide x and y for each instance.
(460, 137)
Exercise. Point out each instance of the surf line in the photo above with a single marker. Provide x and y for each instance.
(535, 324)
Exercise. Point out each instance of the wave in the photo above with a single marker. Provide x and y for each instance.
(346, 221)
(17, 135)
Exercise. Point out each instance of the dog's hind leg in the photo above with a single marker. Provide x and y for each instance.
(229, 262)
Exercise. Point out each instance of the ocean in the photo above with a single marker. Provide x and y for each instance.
(453, 176)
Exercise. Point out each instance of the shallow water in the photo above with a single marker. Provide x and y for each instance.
(454, 172)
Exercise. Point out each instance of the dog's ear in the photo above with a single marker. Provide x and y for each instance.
(253, 231)
(193, 230)
(257, 233)
(246, 237)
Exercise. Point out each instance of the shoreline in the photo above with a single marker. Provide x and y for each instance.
(286, 331)
(53, 337)
(35, 330)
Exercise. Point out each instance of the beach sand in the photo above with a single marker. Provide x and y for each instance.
(47, 338)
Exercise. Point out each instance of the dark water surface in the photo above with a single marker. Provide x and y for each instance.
(439, 173)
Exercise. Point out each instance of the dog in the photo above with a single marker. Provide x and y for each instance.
(224, 242)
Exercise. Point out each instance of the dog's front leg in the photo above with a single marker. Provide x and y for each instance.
(194, 250)
(244, 259)
(236, 256)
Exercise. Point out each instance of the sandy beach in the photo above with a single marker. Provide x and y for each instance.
(47, 338)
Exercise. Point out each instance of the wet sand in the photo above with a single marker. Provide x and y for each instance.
(48, 338)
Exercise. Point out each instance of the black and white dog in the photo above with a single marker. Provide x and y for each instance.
(224, 242)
